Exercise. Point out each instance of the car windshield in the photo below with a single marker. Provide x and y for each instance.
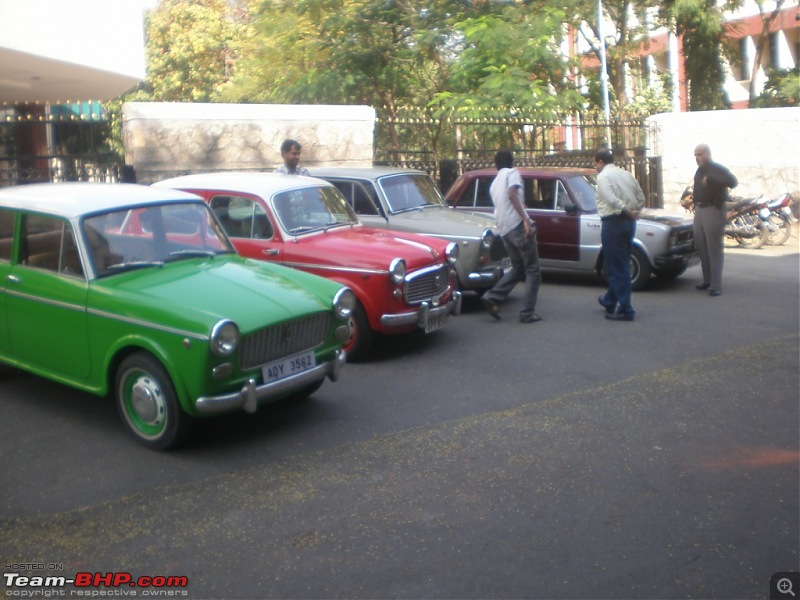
(312, 209)
(584, 188)
(152, 235)
(410, 192)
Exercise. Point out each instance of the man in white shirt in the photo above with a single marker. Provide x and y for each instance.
(290, 152)
(619, 202)
(519, 236)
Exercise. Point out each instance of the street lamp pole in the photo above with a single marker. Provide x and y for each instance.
(603, 69)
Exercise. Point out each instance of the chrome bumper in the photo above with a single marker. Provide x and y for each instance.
(485, 278)
(252, 394)
(426, 312)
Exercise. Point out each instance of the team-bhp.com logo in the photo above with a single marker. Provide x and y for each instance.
(90, 584)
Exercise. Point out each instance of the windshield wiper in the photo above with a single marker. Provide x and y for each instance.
(134, 264)
(192, 253)
(303, 229)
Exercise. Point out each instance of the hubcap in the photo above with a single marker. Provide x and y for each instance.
(147, 401)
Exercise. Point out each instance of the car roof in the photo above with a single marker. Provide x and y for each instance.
(535, 171)
(73, 199)
(255, 182)
(363, 172)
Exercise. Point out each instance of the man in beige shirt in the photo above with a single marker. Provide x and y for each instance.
(619, 202)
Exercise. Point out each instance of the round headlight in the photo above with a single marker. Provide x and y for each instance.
(397, 270)
(487, 239)
(452, 253)
(344, 303)
(224, 338)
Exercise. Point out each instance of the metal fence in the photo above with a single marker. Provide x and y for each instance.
(446, 145)
(73, 143)
(41, 143)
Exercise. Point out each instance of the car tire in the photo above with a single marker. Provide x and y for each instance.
(640, 270)
(148, 404)
(361, 334)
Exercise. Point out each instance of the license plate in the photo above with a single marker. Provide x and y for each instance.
(435, 323)
(288, 366)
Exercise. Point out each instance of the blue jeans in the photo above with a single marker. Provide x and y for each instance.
(617, 235)
(524, 267)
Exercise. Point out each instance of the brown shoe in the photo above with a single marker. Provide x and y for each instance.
(491, 308)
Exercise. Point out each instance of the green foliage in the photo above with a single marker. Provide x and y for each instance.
(511, 59)
(191, 47)
(781, 89)
(700, 24)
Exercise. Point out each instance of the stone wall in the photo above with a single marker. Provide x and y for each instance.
(163, 139)
(761, 147)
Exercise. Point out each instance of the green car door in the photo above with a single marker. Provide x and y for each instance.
(46, 300)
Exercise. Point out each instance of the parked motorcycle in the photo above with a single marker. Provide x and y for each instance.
(780, 219)
(747, 222)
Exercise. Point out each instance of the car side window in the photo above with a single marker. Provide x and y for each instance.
(242, 217)
(562, 197)
(358, 197)
(6, 233)
(483, 199)
(49, 243)
(541, 195)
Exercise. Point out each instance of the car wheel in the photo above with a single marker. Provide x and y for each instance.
(148, 404)
(361, 334)
(640, 270)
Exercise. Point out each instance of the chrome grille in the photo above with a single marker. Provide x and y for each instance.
(426, 284)
(285, 339)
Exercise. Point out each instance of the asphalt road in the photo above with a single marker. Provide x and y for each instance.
(572, 458)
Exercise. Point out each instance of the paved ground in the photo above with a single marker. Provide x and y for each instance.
(574, 458)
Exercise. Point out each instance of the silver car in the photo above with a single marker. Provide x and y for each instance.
(408, 200)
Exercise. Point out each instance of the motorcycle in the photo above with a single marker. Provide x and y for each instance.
(748, 219)
(780, 219)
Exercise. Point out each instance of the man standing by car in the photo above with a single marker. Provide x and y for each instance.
(519, 236)
(619, 202)
(710, 192)
(290, 152)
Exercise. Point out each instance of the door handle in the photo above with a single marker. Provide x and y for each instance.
(271, 251)
(14, 279)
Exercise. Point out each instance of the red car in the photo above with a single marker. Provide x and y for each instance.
(402, 281)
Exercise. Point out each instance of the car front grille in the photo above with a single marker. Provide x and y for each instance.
(285, 339)
(426, 284)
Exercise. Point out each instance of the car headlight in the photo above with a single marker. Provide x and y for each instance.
(487, 239)
(224, 338)
(452, 253)
(397, 270)
(344, 303)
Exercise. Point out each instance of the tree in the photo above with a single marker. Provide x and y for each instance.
(767, 19)
(511, 59)
(700, 24)
(192, 46)
(781, 89)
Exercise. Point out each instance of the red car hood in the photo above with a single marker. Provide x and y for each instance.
(364, 248)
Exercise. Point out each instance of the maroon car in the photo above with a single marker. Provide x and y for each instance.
(562, 203)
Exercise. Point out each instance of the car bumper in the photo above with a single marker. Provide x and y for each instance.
(251, 395)
(485, 278)
(424, 315)
(676, 261)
